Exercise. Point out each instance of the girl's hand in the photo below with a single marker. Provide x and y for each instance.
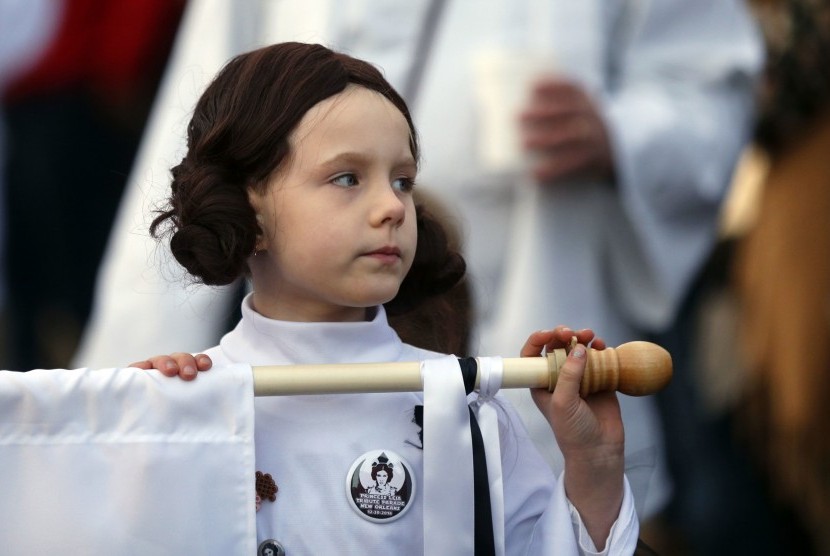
(183, 364)
(589, 432)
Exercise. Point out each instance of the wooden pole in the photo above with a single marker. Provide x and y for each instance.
(635, 368)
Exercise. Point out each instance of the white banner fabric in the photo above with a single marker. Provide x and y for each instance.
(128, 462)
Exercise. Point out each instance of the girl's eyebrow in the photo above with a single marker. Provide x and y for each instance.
(349, 157)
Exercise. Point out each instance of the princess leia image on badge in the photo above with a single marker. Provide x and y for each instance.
(380, 486)
(382, 474)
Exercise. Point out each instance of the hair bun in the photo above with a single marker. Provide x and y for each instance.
(196, 247)
(212, 223)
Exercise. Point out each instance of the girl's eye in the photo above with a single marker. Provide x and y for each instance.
(403, 184)
(345, 180)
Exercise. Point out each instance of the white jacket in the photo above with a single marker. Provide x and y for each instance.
(309, 443)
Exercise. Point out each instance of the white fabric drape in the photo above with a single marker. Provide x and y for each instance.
(448, 455)
(125, 461)
(448, 461)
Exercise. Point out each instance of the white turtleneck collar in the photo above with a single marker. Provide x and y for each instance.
(258, 340)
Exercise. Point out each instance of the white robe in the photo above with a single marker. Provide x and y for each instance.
(673, 79)
(308, 444)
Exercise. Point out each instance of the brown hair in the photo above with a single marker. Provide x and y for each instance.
(238, 136)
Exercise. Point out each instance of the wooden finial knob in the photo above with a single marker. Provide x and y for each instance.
(634, 368)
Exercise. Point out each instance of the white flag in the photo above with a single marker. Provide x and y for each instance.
(124, 461)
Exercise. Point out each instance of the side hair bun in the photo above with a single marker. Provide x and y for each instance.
(212, 225)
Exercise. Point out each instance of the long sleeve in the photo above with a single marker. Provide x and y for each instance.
(679, 108)
(622, 538)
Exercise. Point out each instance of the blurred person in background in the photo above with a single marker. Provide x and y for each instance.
(630, 170)
(634, 114)
(782, 274)
(26, 27)
(754, 465)
(74, 118)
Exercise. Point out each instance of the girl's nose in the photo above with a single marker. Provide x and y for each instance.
(387, 207)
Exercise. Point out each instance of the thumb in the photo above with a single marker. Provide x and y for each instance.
(570, 374)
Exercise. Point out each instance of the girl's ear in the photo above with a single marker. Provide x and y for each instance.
(260, 236)
(256, 201)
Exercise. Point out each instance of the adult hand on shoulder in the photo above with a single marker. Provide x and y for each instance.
(589, 432)
(184, 365)
(563, 130)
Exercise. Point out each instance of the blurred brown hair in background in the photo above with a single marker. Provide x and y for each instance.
(782, 266)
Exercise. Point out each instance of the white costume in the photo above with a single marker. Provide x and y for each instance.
(666, 75)
(308, 444)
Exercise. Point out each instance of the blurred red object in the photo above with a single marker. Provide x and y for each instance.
(105, 46)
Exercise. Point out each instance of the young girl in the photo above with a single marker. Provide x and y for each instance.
(299, 172)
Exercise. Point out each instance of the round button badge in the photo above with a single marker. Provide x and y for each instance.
(380, 486)
(270, 547)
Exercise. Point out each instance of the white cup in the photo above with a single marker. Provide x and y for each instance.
(503, 81)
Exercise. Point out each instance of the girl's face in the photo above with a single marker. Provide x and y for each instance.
(338, 218)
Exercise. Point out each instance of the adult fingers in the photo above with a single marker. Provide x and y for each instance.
(545, 135)
(556, 89)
